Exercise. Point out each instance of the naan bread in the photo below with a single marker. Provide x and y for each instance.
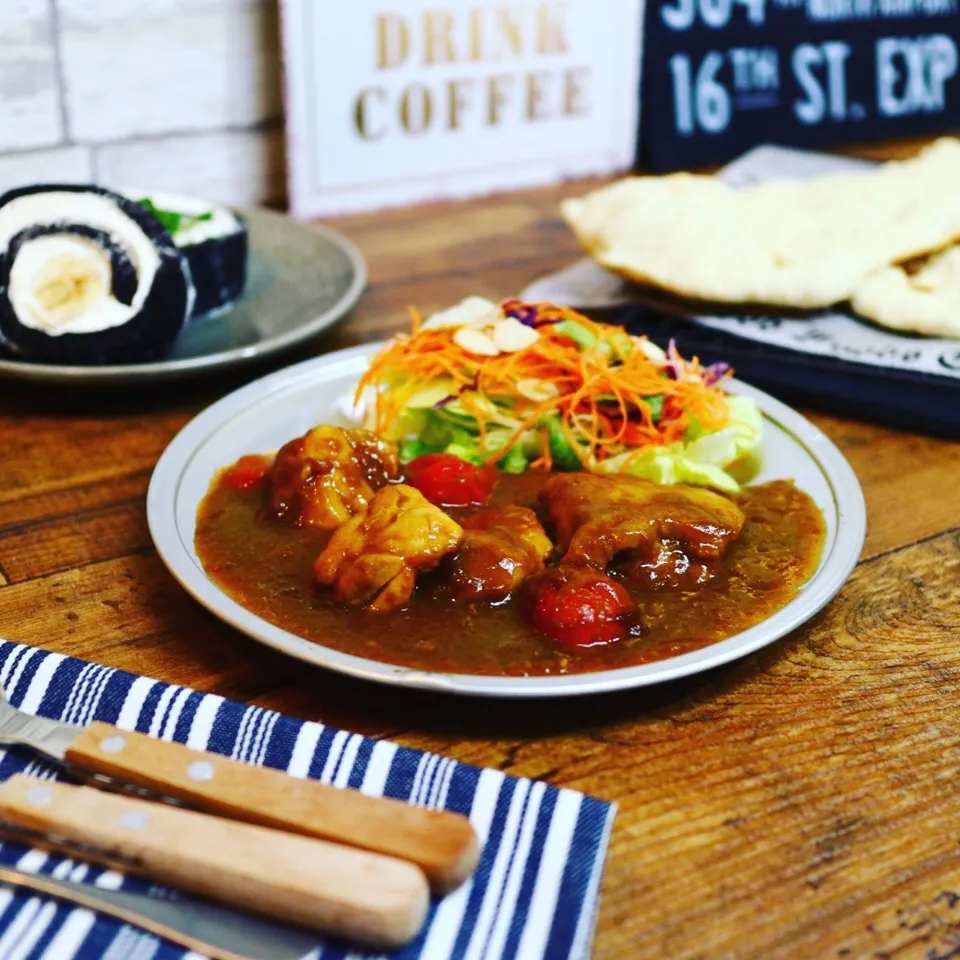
(801, 244)
(927, 301)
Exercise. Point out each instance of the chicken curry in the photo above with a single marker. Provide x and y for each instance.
(440, 565)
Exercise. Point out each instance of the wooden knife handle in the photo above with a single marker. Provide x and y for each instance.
(328, 888)
(442, 844)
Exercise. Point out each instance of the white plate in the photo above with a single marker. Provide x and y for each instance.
(301, 279)
(267, 413)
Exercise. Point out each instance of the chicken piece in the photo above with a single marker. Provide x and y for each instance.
(597, 517)
(326, 476)
(669, 568)
(373, 559)
(501, 547)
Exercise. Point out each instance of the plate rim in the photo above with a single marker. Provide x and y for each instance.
(834, 571)
(163, 370)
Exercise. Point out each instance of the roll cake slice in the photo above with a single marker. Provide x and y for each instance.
(88, 276)
(213, 238)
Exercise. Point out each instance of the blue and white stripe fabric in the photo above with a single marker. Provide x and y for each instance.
(533, 896)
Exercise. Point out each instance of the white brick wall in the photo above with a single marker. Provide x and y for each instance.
(237, 166)
(29, 103)
(182, 95)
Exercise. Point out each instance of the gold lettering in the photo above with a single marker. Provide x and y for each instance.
(457, 100)
(574, 95)
(393, 41)
(438, 34)
(497, 96)
(476, 34)
(510, 30)
(536, 95)
(361, 117)
(551, 28)
(416, 109)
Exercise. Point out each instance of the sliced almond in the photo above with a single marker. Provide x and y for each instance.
(473, 341)
(651, 350)
(510, 335)
(470, 311)
(537, 390)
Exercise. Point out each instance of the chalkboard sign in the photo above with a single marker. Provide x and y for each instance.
(721, 76)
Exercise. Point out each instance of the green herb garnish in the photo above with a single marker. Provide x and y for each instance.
(173, 221)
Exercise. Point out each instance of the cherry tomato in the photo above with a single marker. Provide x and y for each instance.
(448, 481)
(247, 472)
(577, 606)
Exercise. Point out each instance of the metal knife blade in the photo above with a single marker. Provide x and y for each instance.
(49, 737)
(194, 924)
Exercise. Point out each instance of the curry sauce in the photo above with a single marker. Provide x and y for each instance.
(266, 566)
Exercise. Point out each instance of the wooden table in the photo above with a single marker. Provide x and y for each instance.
(801, 803)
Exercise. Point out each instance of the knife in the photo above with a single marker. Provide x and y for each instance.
(324, 887)
(206, 928)
(441, 843)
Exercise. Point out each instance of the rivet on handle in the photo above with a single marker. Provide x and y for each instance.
(201, 771)
(113, 744)
(39, 796)
(133, 820)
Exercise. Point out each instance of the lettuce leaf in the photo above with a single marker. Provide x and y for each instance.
(736, 448)
(439, 432)
(578, 333)
(723, 459)
(656, 406)
(563, 454)
(514, 462)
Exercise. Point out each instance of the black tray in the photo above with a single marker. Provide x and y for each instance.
(919, 402)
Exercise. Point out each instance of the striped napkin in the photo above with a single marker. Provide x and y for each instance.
(533, 896)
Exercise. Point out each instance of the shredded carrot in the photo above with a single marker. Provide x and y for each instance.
(602, 393)
(545, 460)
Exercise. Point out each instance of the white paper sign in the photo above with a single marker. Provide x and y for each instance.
(392, 102)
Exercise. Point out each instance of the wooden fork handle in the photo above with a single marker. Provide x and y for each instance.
(324, 887)
(442, 844)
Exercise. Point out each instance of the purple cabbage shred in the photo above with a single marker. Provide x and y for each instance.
(440, 404)
(527, 313)
(715, 372)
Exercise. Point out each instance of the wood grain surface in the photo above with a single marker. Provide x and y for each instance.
(804, 802)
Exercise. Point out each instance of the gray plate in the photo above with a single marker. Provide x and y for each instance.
(301, 279)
